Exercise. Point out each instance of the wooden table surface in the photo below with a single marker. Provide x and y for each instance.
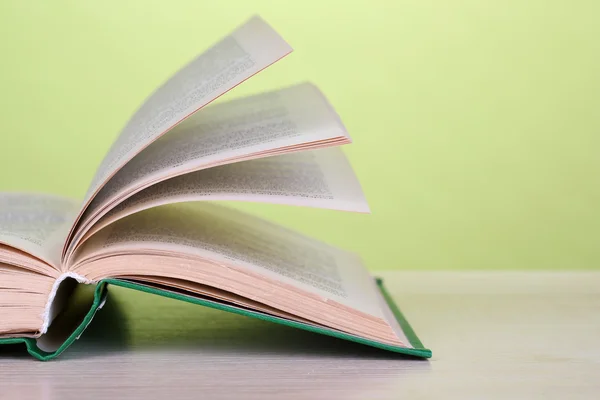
(508, 335)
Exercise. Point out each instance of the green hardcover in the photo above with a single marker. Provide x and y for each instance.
(101, 291)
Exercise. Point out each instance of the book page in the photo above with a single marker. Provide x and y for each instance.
(318, 178)
(250, 127)
(223, 234)
(249, 49)
(36, 223)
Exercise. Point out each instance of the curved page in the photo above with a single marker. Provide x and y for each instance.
(291, 119)
(223, 234)
(36, 223)
(317, 178)
(244, 255)
(249, 49)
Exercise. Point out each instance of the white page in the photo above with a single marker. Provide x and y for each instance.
(248, 50)
(36, 223)
(249, 127)
(224, 235)
(318, 178)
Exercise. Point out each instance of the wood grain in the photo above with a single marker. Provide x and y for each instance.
(494, 335)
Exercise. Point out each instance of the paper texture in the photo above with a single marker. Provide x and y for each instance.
(282, 121)
(249, 49)
(228, 131)
(222, 234)
(318, 178)
(36, 223)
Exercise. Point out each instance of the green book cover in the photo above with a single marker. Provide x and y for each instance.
(67, 335)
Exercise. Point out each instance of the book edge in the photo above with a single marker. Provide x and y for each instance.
(417, 351)
(101, 291)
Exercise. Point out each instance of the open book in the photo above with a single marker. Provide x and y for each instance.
(147, 221)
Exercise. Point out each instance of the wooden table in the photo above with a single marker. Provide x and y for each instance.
(507, 335)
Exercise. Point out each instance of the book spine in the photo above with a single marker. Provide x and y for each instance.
(58, 297)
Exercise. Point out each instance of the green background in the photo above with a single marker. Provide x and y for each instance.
(476, 124)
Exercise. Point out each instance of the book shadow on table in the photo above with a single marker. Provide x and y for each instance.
(132, 320)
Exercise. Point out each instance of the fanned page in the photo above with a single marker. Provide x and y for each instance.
(36, 224)
(287, 120)
(246, 51)
(318, 178)
(219, 247)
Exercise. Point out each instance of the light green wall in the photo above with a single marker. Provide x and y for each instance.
(476, 123)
